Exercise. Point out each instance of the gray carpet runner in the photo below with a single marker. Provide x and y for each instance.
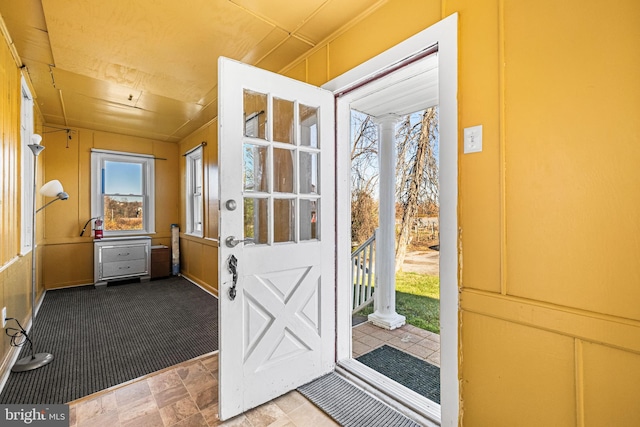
(350, 406)
(413, 373)
(103, 337)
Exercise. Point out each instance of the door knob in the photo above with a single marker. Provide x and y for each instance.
(232, 242)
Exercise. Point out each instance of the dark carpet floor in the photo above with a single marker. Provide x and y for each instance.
(104, 337)
(413, 373)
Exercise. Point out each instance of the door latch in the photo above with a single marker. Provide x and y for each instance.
(232, 265)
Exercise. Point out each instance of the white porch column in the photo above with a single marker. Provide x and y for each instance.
(384, 314)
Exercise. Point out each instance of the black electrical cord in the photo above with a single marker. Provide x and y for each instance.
(85, 225)
(16, 334)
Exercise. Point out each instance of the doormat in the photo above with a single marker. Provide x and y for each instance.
(351, 406)
(413, 373)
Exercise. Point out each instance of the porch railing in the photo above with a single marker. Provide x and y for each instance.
(363, 261)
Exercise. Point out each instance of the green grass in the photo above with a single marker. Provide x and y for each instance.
(418, 299)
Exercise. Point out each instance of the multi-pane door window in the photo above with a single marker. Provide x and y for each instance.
(194, 192)
(123, 192)
(281, 173)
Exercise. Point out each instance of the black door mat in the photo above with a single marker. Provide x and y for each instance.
(413, 373)
(350, 406)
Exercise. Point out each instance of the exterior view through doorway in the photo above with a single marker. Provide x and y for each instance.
(382, 85)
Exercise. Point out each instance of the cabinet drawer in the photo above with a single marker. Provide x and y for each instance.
(123, 253)
(124, 268)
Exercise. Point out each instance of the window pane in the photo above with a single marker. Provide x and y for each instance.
(123, 212)
(283, 170)
(122, 178)
(255, 114)
(309, 220)
(255, 168)
(308, 126)
(309, 173)
(256, 220)
(283, 120)
(284, 229)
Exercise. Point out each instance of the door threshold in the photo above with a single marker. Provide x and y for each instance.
(399, 397)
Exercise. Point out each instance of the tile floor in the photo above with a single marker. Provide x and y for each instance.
(408, 338)
(186, 395)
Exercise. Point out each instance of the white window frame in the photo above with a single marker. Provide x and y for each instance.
(26, 170)
(98, 159)
(194, 201)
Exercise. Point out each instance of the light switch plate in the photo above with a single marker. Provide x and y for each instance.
(473, 139)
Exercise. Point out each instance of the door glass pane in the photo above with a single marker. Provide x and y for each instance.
(284, 229)
(255, 114)
(308, 126)
(309, 173)
(309, 221)
(283, 170)
(256, 219)
(283, 120)
(255, 176)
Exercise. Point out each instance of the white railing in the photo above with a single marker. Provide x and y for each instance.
(363, 261)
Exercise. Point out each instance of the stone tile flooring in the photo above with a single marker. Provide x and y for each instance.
(186, 395)
(408, 338)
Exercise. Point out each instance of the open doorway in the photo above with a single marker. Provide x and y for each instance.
(407, 352)
(379, 87)
(394, 194)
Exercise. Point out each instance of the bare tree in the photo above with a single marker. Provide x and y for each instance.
(364, 177)
(417, 172)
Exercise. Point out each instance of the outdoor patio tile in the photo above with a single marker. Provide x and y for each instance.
(417, 331)
(383, 335)
(432, 345)
(419, 351)
(371, 341)
(433, 337)
(434, 359)
(355, 333)
(360, 348)
(398, 343)
(366, 328)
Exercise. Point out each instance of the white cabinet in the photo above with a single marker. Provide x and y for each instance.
(119, 258)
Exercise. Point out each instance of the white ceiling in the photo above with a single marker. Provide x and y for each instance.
(408, 90)
(148, 68)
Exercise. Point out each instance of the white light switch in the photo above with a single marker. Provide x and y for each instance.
(473, 139)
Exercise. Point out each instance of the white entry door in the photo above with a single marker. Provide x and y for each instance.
(277, 235)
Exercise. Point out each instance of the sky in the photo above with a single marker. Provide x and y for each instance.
(122, 178)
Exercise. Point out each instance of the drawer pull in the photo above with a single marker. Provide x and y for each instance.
(124, 268)
(127, 254)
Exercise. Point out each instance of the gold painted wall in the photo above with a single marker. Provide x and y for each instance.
(199, 255)
(70, 162)
(549, 211)
(15, 269)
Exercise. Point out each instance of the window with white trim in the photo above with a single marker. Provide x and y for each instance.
(123, 192)
(26, 171)
(194, 192)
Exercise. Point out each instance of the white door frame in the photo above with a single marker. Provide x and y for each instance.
(444, 34)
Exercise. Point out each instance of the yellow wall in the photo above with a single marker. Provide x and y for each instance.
(549, 212)
(15, 270)
(70, 162)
